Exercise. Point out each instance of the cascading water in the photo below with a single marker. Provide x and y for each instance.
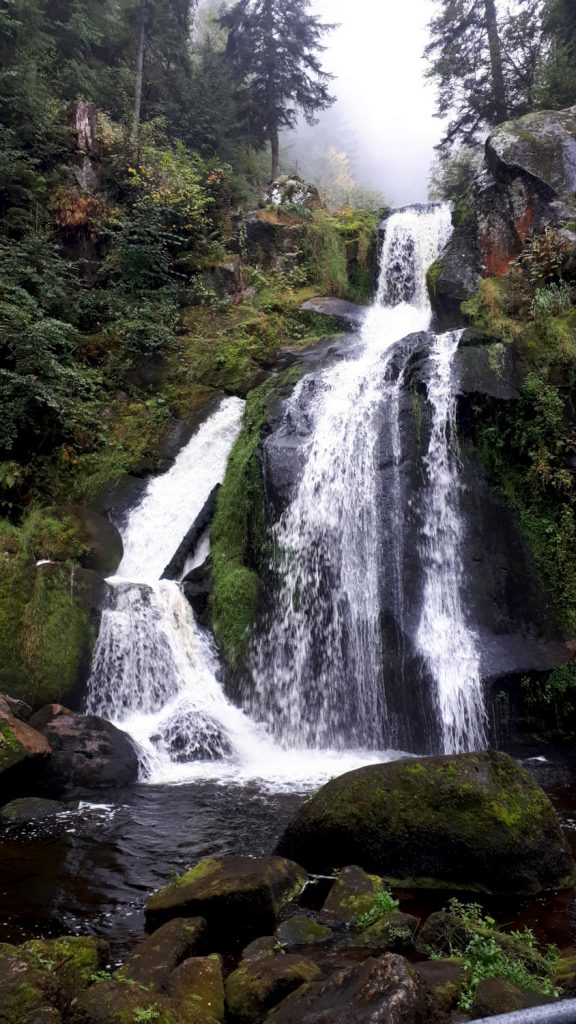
(319, 701)
(318, 662)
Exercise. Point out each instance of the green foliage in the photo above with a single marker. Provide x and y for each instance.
(327, 254)
(238, 536)
(384, 903)
(488, 953)
(543, 257)
(554, 300)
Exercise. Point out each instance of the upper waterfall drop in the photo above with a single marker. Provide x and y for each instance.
(318, 662)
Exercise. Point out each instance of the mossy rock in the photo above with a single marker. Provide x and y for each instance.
(197, 989)
(254, 988)
(353, 894)
(443, 980)
(158, 955)
(73, 959)
(496, 996)
(121, 1002)
(394, 931)
(259, 948)
(302, 931)
(240, 897)
(443, 933)
(28, 996)
(23, 753)
(30, 809)
(475, 822)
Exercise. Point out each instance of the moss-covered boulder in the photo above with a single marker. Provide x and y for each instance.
(158, 955)
(254, 988)
(23, 752)
(88, 752)
(72, 959)
(443, 981)
(377, 991)
(28, 995)
(496, 995)
(354, 894)
(475, 822)
(100, 539)
(259, 948)
(240, 897)
(197, 989)
(394, 932)
(30, 809)
(302, 931)
(122, 1002)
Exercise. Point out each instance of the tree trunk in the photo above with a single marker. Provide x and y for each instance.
(498, 83)
(139, 75)
(275, 143)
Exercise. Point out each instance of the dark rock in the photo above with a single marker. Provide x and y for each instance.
(73, 960)
(454, 278)
(226, 280)
(100, 538)
(382, 991)
(274, 240)
(158, 955)
(394, 932)
(302, 931)
(87, 752)
(23, 752)
(192, 736)
(351, 315)
(175, 567)
(443, 934)
(29, 996)
(197, 586)
(443, 979)
(197, 990)
(541, 147)
(240, 897)
(117, 1001)
(255, 987)
(353, 894)
(495, 996)
(30, 809)
(462, 822)
(259, 948)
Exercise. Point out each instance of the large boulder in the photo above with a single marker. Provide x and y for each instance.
(463, 822)
(527, 184)
(378, 991)
(158, 955)
(101, 540)
(23, 750)
(29, 995)
(254, 988)
(87, 752)
(240, 897)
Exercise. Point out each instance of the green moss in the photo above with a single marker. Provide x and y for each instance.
(238, 532)
(10, 749)
(433, 275)
(74, 959)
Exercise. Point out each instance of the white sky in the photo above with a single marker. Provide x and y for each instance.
(377, 57)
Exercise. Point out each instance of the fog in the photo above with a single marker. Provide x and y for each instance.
(385, 106)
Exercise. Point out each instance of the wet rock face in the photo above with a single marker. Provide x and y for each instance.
(468, 821)
(240, 897)
(87, 752)
(528, 183)
(24, 752)
(378, 991)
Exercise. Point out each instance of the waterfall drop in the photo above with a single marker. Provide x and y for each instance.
(321, 699)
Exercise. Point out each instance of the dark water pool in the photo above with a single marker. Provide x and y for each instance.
(91, 869)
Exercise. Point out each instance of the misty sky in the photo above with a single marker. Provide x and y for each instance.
(377, 55)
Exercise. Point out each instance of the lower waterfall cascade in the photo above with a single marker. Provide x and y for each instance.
(317, 702)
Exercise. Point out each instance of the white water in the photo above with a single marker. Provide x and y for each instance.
(318, 665)
(444, 637)
(156, 673)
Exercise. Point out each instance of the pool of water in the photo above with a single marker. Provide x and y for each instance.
(90, 869)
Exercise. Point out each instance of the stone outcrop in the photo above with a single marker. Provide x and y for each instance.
(526, 185)
(240, 897)
(87, 751)
(23, 750)
(463, 822)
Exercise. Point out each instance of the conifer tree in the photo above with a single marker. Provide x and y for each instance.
(275, 50)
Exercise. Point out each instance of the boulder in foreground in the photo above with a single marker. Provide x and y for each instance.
(475, 822)
(87, 751)
(240, 897)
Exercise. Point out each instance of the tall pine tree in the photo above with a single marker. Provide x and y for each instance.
(274, 47)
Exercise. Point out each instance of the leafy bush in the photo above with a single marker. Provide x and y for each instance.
(384, 903)
(327, 254)
(554, 300)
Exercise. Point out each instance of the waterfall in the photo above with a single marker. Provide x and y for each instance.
(318, 660)
(320, 699)
(444, 637)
